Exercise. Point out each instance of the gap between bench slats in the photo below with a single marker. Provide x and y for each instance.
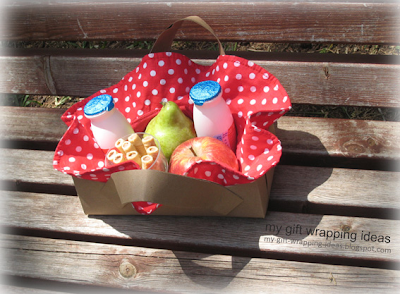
(48, 215)
(316, 82)
(373, 23)
(158, 270)
(310, 189)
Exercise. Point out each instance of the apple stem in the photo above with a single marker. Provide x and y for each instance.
(191, 149)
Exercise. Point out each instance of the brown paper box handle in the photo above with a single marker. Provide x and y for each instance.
(164, 41)
(173, 190)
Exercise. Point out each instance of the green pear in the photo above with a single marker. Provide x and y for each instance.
(171, 127)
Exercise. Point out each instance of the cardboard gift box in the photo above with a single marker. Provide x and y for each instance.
(179, 195)
(256, 99)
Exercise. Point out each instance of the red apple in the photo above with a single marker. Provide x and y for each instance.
(201, 148)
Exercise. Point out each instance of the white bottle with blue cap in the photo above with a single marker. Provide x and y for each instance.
(108, 123)
(211, 115)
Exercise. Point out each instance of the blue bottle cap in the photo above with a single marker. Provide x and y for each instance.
(98, 105)
(204, 91)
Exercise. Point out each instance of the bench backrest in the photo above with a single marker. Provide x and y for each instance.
(324, 79)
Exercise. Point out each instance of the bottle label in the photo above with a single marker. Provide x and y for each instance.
(229, 137)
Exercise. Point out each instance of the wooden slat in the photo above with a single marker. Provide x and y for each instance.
(325, 225)
(310, 141)
(30, 170)
(25, 73)
(304, 21)
(355, 143)
(336, 191)
(159, 270)
(322, 191)
(32, 127)
(325, 81)
(31, 166)
(62, 217)
(23, 288)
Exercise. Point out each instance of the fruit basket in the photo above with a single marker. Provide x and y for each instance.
(256, 100)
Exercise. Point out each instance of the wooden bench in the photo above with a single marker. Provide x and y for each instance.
(343, 173)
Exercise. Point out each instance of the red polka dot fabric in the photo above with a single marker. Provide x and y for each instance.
(255, 98)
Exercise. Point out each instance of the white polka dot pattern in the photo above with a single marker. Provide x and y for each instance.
(255, 97)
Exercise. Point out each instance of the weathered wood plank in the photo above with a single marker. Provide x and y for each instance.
(25, 73)
(310, 141)
(336, 191)
(339, 207)
(31, 170)
(23, 288)
(322, 191)
(279, 235)
(327, 81)
(353, 143)
(158, 270)
(33, 127)
(304, 21)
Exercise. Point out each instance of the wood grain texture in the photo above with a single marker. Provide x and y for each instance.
(336, 191)
(62, 217)
(31, 166)
(33, 127)
(264, 21)
(21, 287)
(159, 270)
(310, 141)
(332, 223)
(340, 142)
(311, 189)
(31, 170)
(326, 81)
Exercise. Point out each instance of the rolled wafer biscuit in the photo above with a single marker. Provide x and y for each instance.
(119, 144)
(134, 155)
(128, 146)
(118, 158)
(147, 161)
(111, 154)
(137, 142)
(148, 141)
(152, 151)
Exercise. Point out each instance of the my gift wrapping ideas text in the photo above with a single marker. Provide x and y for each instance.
(298, 229)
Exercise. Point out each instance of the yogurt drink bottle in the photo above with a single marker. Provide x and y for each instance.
(211, 115)
(108, 124)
